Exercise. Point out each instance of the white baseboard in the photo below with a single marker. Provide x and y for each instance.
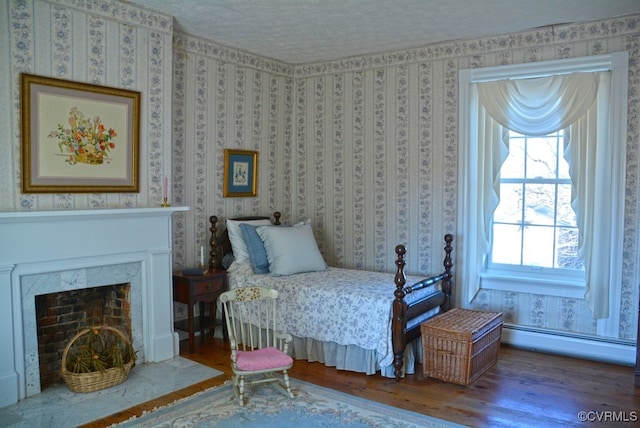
(610, 352)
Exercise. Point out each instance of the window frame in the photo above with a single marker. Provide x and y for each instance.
(531, 282)
(523, 182)
(554, 281)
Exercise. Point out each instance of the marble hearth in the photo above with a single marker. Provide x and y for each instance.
(48, 251)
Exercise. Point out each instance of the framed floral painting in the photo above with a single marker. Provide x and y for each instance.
(78, 137)
(240, 173)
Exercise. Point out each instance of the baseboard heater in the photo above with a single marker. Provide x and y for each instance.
(587, 347)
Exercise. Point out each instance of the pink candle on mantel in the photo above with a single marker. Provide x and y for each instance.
(166, 187)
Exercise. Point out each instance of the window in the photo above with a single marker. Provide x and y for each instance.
(536, 191)
(534, 225)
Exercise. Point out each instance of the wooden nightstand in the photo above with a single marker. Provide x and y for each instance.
(201, 289)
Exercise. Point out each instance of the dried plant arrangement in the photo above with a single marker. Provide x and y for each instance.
(97, 358)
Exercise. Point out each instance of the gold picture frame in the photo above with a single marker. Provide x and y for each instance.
(240, 173)
(78, 137)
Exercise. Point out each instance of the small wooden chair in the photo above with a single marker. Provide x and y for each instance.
(258, 350)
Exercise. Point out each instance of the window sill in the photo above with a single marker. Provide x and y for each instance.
(562, 287)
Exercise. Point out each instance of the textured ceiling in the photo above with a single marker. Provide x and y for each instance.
(305, 31)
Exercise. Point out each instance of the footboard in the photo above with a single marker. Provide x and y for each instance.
(403, 312)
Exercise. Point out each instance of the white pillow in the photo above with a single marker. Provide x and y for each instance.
(291, 249)
(303, 222)
(240, 252)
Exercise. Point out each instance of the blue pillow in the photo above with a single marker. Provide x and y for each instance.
(255, 248)
(227, 260)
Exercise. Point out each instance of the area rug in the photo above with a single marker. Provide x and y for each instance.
(313, 406)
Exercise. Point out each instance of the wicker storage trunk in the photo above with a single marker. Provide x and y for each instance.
(460, 345)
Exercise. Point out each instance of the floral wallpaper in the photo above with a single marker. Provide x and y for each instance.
(365, 147)
(106, 43)
(225, 99)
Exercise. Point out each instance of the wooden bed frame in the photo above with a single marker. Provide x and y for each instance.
(403, 312)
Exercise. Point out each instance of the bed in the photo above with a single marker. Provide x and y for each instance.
(350, 319)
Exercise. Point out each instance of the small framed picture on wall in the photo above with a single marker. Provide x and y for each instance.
(240, 173)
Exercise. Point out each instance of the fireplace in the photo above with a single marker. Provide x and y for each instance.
(60, 315)
(46, 252)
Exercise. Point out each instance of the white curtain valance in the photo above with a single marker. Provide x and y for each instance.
(539, 106)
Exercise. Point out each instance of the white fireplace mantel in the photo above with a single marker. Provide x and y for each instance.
(38, 242)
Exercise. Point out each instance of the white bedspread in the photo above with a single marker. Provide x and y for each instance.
(348, 307)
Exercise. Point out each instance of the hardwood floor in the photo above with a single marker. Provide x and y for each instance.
(522, 389)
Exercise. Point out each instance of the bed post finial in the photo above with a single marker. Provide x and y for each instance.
(397, 333)
(448, 264)
(213, 243)
(400, 278)
(276, 218)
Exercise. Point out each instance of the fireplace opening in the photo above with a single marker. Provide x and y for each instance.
(60, 315)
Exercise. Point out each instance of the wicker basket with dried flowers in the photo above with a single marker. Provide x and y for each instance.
(97, 358)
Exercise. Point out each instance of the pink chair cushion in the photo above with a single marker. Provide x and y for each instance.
(262, 359)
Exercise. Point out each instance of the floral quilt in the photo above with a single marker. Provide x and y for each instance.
(345, 306)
